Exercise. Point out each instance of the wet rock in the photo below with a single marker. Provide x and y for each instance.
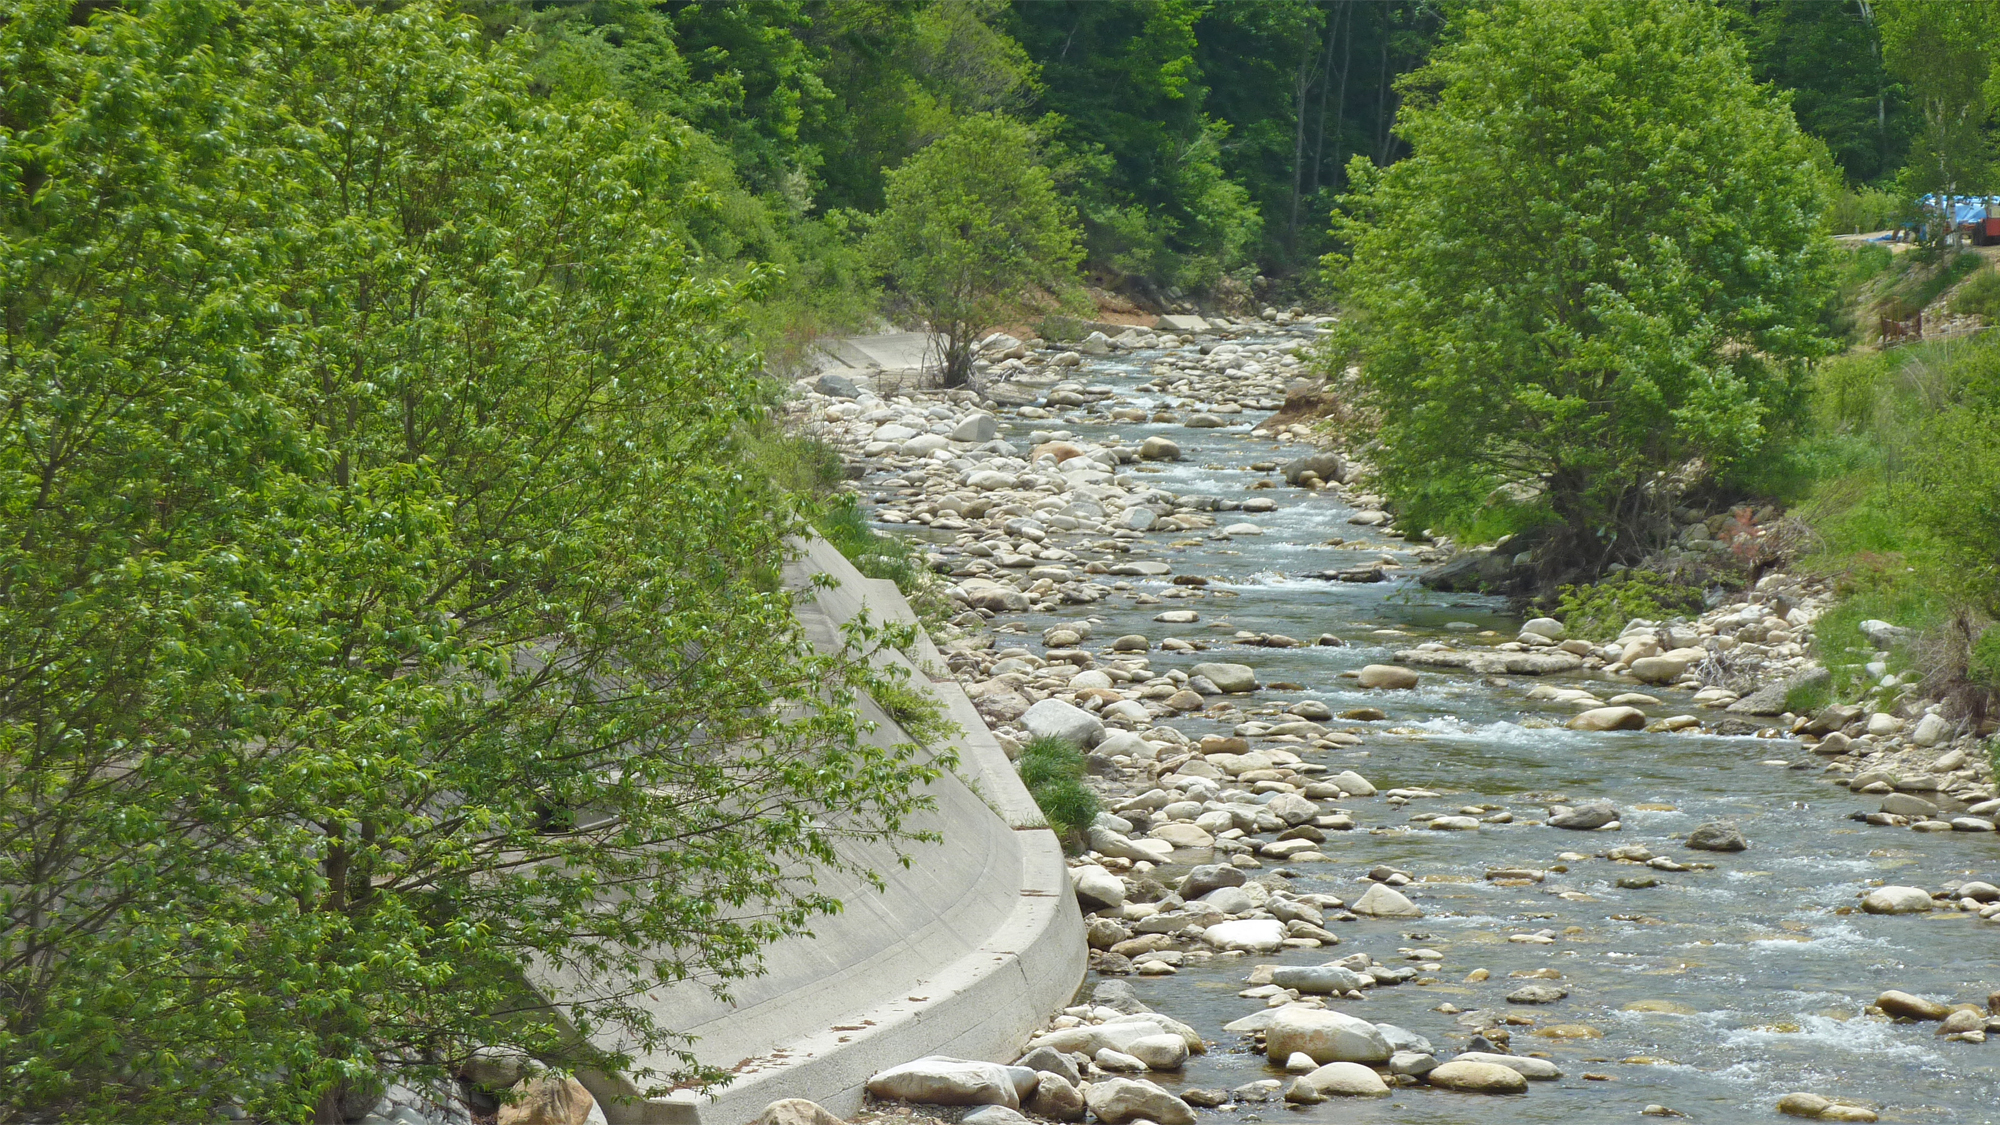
(1533, 1069)
(1326, 466)
(1347, 1080)
(1096, 888)
(1896, 900)
(1910, 805)
(1205, 1098)
(1318, 979)
(1327, 1036)
(1387, 676)
(1230, 678)
(1347, 781)
(1116, 1101)
(1477, 1078)
(1897, 1003)
(1658, 669)
(1382, 902)
(1609, 718)
(1717, 836)
(1546, 627)
(1962, 1021)
(1803, 1104)
(1537, 994)
(1412, 1063)
(1582, 818)
(940, 1080)
(1157, 448)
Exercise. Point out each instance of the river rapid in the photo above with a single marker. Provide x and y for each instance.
(1712, 992)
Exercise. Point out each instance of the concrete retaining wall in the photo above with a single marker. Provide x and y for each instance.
(965, 952)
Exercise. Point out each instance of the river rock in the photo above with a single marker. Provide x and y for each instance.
(1930, 730)
(1159, 449)
(1896, 900)
(1533, 1069)
(1717, 836)
(1231, 678)
(1609, 718)
(1326, 1035)
(1208, 877)
(1547, 627)
(1319, 979)
(1910, 805)
(1803, 1104)
(1251, 935)
(547, 1099)
(1387, 676)
(1096, 888)
(1895, 1003)
(976, 428)
(1116, 1101)
(1477, 1078)
(1413, 1063)
(1048, 1060)
(1962, 1021)
(1537, 994)
(1352, 784)
(1379, 901)
(1347, 1080)
(994, 1115)
(797, 1111)
(1658, 669)
(1052, 718)
(1056, 1097)
(1586, 816)
(940, 1080)
(1327, 466)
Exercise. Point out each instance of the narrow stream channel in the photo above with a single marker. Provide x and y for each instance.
(1713, 992)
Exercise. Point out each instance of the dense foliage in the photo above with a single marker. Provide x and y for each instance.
(389, 620)
(1600, 262)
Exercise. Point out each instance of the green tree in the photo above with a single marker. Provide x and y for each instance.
(1599, 265)
(972, 224)
(387, 601)
(1829, 55)
(1941, 51)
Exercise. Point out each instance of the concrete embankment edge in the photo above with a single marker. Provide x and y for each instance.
(964, 952)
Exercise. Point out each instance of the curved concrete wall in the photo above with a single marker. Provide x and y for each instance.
(964, 952)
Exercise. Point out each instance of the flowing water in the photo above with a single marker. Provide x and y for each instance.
(1714, 992)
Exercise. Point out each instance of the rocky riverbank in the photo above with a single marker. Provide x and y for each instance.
(1220, 805)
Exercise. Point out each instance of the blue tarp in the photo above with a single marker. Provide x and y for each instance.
(1965, 208)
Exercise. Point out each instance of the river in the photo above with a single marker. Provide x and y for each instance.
(1713, 992)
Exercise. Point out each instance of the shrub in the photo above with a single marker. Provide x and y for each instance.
(920, 715)
(1979, 296)
(1600, 610)
(1982, 667)
(1052, 769)
(1810, 697)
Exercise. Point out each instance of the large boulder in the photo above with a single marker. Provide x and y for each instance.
(1052, 718)
(1320, 979)
(1116, 1101)
(1896, 900)
(1250, 935)
(1895, 1003)
(1477, 1078)
(797, 1111)
(1584, 817)
(1717, 836)
(546, 1099)
(976, 428)
(1210, 877)
(1658, 669)
(1157, 448)
(1380, 901)
(1533, 1069)
(1325, 1036)
(1387, 676)
(1096, 888)
(1347, 1079)
(1609, 718)
(1231, 678)
(1327, 466)
(1057, 1098)
(940, 1080)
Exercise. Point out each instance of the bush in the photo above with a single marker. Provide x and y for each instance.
(1599, 611)
(1052, 769)
(1979, 296)
(1866, 209)
(1810, 697)
(1982, 667)
(919, 713)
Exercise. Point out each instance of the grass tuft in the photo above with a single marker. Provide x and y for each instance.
(1053, 771)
